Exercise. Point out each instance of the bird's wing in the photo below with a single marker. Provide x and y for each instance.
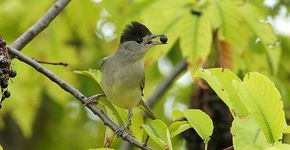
(147, 110)
(142, 85)
(103, 61)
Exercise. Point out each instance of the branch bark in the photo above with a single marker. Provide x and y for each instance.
(77, 94)
(40, 25)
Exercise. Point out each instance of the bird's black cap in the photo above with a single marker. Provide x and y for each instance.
(134, 32)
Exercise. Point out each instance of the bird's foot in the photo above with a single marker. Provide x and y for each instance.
(120, 130)
(93, 99)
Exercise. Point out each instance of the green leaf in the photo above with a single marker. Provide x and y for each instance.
(279, 146)
(260, 26)
(167, 23)
(220, 80)
(199, 120)
(225, 16)
(264, 103)
(195, 43)
(176, 114)
(137, 124)
(247, 134)
(286, 130)
(159, 133)
(93, 73)
(178, 127)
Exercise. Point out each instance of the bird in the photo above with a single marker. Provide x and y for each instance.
(122, 74)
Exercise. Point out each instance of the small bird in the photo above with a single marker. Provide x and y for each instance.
(122, 74)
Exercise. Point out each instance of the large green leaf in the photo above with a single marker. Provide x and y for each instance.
(195, 41)
(167, 23)
(199, 120)
(225, 16)
(159, 133)
(220, 80)
(264, 103)
(247, 134)
(264, 31)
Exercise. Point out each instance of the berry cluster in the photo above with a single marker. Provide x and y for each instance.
(5, 70)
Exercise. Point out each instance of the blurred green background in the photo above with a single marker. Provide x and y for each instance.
(252, 35)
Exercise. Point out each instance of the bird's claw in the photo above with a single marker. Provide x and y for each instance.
(120, 130)
(93, 99)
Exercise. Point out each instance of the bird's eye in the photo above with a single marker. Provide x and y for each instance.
(139, 40)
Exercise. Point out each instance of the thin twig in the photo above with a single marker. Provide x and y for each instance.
(54, 78)
(51, 63)
(165, 84)
(40, 25)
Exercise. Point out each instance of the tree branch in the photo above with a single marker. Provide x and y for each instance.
(165, 84)
(40, 25)
(54, 78)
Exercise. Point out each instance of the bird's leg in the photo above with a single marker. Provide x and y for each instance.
(94, 99)
(121, 130)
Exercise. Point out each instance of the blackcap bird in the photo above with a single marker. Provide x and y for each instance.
(122, 74)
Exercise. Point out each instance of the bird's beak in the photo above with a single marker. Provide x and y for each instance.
(150, 39)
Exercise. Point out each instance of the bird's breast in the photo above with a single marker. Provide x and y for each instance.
(121, 83)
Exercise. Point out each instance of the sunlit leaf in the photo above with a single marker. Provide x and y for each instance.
(279, 146)
(220, 80)
(287, 130)
(95, 74)
(199, 120)
(247, 134)
(264, 103)
(264, 31)
(195, 43)
(178, 127)
(167, 23)
(177, 114)
(159, 133)
(137, 124)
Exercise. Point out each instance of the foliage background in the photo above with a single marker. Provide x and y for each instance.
(39, 114)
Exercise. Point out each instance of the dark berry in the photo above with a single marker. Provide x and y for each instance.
(12, 73)
(4, 84)
(2, 43)
(163, 39)
(4, 70)
(6, 94)
(4, 62)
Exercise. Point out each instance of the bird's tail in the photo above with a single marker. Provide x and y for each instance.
(146, 109)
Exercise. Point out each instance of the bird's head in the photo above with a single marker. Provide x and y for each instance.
(137, 39)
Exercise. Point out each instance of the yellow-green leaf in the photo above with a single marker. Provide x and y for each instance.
(220, 80)
(137, 124)
(95, 74)
(264, 103)
(247, 134)
(195, 41)
(199, 120)
(178, 127)
(279, 146)
(159, 133)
